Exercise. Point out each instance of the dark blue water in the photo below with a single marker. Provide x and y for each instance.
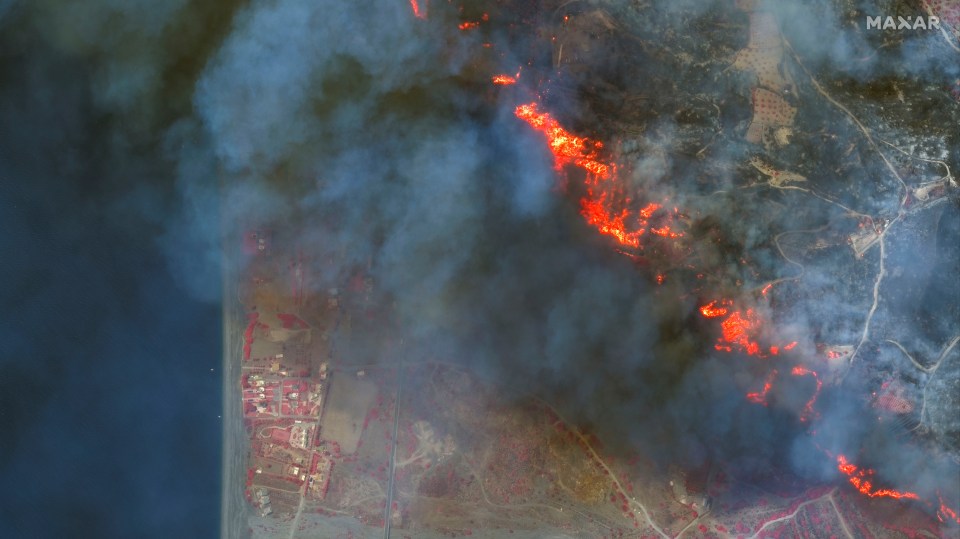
(110, 383)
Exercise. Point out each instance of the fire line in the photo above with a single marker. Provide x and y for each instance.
(415, 6)
(606, 208)
(860, 479)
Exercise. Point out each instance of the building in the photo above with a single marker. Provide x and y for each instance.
(256, 242)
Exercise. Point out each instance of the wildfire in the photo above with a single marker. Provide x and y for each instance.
(607, 209)
(599, 216)
(504, 80)
(666, 232)
(605, 206)
(808, 410)
(415, 6)
(761, 397)
(712, 310)
(833, 354)
(737, 331)
(648, 210)
(565, 147)
(860, 479)
(946, 511)
(585, 153)
(468, 25)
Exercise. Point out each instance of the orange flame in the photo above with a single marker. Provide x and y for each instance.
(584, 153)
(473, 24)
(738, 328)
(599, 216)
(666, 232)
(761, 397)
(566, 148)
(711, 310)
(860, 479)
(648, 210)
(808, 410)
(605, 207)
(416, 10)
(946, 511)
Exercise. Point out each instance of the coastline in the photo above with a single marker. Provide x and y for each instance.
(233, 508)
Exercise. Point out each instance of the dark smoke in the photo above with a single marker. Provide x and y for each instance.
(374, 134)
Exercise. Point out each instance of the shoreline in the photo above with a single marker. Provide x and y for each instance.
(233, 507)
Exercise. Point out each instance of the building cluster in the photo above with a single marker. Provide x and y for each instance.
(276, 394)
(868, 233)
(287, 453)
(283, 389)
(929, 192)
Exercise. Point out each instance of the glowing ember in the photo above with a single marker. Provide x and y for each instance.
(648, 210)
(416, 9)
(566, 148)
(837, 352)
(949, 513)
(712, 310)
(473, 24)
(738, 328)
(666, 232)
(761, 397)
(663, 231)
(946, 511)
(584, 153)
(605, 207)
(860, 479)
(599, 216)
(808, 410)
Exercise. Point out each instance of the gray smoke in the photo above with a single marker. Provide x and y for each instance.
(364, 109)
(375, 135)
